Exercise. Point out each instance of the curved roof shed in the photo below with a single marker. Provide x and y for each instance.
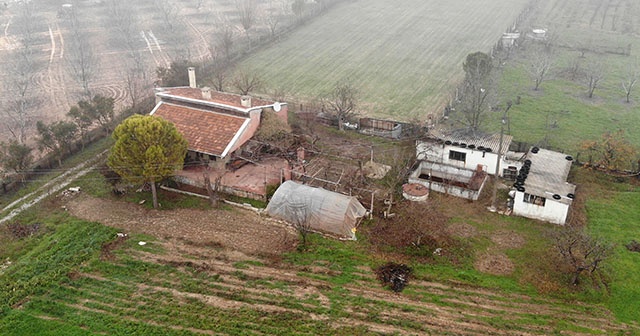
(326, 211)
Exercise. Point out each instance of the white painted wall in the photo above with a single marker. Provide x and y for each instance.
(552, 211)
(440, 153)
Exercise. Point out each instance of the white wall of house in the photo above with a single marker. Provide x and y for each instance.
(472, 157)
(552, 211)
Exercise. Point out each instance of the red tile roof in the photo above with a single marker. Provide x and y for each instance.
(205, 131)
(216, 96)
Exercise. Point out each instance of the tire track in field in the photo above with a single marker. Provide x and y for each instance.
(307, 292)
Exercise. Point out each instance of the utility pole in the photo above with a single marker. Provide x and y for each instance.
(493, 207)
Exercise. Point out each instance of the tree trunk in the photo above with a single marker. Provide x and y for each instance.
(576, 277)
(154, 194)
(213, 199)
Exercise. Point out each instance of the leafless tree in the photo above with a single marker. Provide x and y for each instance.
(137, 86)
(123, 18)
(581, 253)
(82, 59)
(301, 220)
(629, 82)
(298, 7)
(24, 67)
(594, 73)
(224, 38)
(247, 80)
(540, 64)
(247, 12)
(272, 17)
(220, 69)
(169, 13)
(476, 87)
(212, 189)
(342, 101)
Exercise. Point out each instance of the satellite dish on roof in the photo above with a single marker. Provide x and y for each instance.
(277, 107)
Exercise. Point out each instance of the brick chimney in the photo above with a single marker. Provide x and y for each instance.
(206, 93)
(192, 77)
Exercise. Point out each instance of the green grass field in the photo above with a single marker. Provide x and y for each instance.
(560, 114)
(406, 60)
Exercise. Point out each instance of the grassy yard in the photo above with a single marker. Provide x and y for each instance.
(405, 60)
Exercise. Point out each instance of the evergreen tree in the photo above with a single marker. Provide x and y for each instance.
(148, 149)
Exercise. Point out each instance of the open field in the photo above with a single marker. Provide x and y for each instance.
(176, 286)
(123, 43)
(560, 114)
(406, 59)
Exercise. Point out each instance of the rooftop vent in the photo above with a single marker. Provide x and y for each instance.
(206, 93)
(245, 101)
(192, 77)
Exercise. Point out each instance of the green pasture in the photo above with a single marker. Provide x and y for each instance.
(560, 115)
(405, 60)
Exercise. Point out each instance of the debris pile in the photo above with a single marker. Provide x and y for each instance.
(396, 276)
(633, 246)
(20, 231)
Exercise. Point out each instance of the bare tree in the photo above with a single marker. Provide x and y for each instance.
(24, 67)
(247, 12)
(301, 220)
(633, 74)
(594, 73)
(220, 69)
(272, 17)
(136, 85)
(82, 59)
(475, 90)
(581, 253)
(299, 7)
(540, 65)
(247, 80)
(224, 38)
(342, 101)
(169, 13)
(123, 17)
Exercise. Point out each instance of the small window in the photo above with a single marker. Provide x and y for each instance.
(458, 156)
(510, 173)
(533, 199)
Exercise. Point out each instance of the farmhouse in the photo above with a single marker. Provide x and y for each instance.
(463, 149)
(215, 124)
(321, 210)
(541, 189)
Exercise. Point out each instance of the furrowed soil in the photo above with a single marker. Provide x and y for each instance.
(209, 272)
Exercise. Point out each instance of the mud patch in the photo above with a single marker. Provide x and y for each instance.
(494, 263)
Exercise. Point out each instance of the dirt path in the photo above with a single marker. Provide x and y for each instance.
(236, 229)
(49, 188)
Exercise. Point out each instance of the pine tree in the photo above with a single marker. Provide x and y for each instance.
(148, 149)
